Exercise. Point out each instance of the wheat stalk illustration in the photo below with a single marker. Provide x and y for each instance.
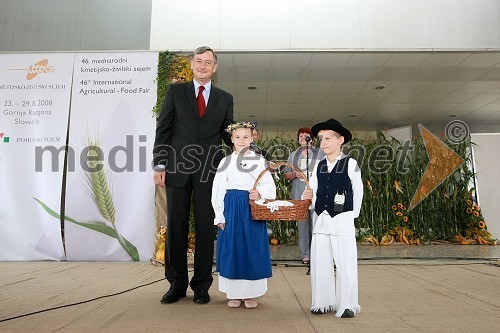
(98, 184)
(99, 189)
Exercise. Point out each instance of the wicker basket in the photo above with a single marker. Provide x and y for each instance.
(298, 212)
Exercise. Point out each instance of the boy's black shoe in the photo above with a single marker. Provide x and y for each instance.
(316, 312)
(348, 313)
(201, 296)
(172, 296)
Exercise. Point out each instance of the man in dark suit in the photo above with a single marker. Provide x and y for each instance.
(187, 151)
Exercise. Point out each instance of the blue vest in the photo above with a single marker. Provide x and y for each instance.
(331, 183)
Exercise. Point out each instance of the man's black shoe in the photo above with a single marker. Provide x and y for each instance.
(172, 296)
(317, 312)
(201, 296)
(348, 313)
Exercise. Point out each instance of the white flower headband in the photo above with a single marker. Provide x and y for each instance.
(240, 124)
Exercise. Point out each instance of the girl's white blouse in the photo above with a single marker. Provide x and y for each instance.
(239, 172)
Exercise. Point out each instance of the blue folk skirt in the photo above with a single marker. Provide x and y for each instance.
(243, 246)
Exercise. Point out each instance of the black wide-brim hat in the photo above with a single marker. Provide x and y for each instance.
(334, 125)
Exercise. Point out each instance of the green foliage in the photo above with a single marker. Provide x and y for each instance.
(441, 215)
(163, 79)
(389, 188)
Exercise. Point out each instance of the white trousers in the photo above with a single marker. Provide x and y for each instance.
(330, 292)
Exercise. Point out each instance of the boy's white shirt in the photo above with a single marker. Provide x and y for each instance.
(344, 221)
(230, 176)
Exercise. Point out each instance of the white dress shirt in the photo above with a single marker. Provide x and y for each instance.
(343, 223)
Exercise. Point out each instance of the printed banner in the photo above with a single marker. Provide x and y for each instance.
(34, 93)
(110, 191)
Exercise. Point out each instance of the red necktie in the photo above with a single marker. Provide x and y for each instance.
(201, 101)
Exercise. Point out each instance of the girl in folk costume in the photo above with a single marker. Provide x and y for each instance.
(243, 257)
(336, 193)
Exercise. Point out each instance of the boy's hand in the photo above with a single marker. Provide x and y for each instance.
(254, 195)
(221, 226)
(308, 194)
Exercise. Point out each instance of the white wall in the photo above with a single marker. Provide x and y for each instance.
(325, 24)
(61, 25)
(488, 176)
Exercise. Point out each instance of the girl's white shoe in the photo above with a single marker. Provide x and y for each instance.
(234, 303)
(250, 303)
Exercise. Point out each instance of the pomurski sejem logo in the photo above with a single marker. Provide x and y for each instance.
(4, 138)
(40, 67)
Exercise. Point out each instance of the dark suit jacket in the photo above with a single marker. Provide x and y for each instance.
(187, 144)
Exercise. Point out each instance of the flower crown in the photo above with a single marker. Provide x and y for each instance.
(240, 124)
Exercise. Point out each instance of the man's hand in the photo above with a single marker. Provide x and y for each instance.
(159, 178)
(221, 226)
(254, 195)
(308, 194)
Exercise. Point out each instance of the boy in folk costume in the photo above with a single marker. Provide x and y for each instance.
(336, 193)
(243, 257)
